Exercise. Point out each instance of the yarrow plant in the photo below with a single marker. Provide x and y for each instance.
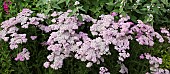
(103, 70)
(10, 31)
(166, 32)
(154, 64)
(67, 40)
(24, 55)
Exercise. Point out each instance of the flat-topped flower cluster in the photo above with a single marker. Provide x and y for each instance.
(68, 40)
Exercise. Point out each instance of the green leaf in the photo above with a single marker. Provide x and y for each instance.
(39, 3)
(165, 2)
(116, 10)
(145, 19)
(120, 10)
(80, 17)
(143, 9)
(123, 13)
(133, 18)
(109, 8)
(0, 14)
(138, 11)
(46, 11)
(135, 7)
(61, 1)
(154, 1)
(145, 5)
(81, 8)
(54, 1)
(131, 1)
(95, 9)
(86, 8)
(35, 9)
(110, 4)
(56, 6)
(73, 12)
(67, 1)
(118, 5)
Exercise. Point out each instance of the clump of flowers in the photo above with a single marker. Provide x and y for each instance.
(33, 37)
(92, 50)
(154, 64)
(11, 31)
(17, 39)
(166, 32)
(24, 55)
(63, 40)
(103, 70)
(66, 40)
(145, 34)
(112, 32)
(121, 32)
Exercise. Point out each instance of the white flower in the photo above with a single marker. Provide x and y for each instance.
(53, 20)
(77, 3)
(54, 14)
(137, 1)
(89, 64)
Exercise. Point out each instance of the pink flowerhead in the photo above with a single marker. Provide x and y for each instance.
(44, 43)
(46, 64)
(114, 14)
(33, 37)
(25, 54)
(148, 56)
(103, 70)
(54, 14)
(141, 56)
(130, 23)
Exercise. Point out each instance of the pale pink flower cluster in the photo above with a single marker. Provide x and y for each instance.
(166, 32)
(120, 33)
(64, 40)
(17, 39)
(114, 14)
(154, 64)
(33, 37)
(112, 32)
(10, 30)
(24, 55)
(145, 34)
(46, 64)
(92, 50)
(103, 70)
(9, 27)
